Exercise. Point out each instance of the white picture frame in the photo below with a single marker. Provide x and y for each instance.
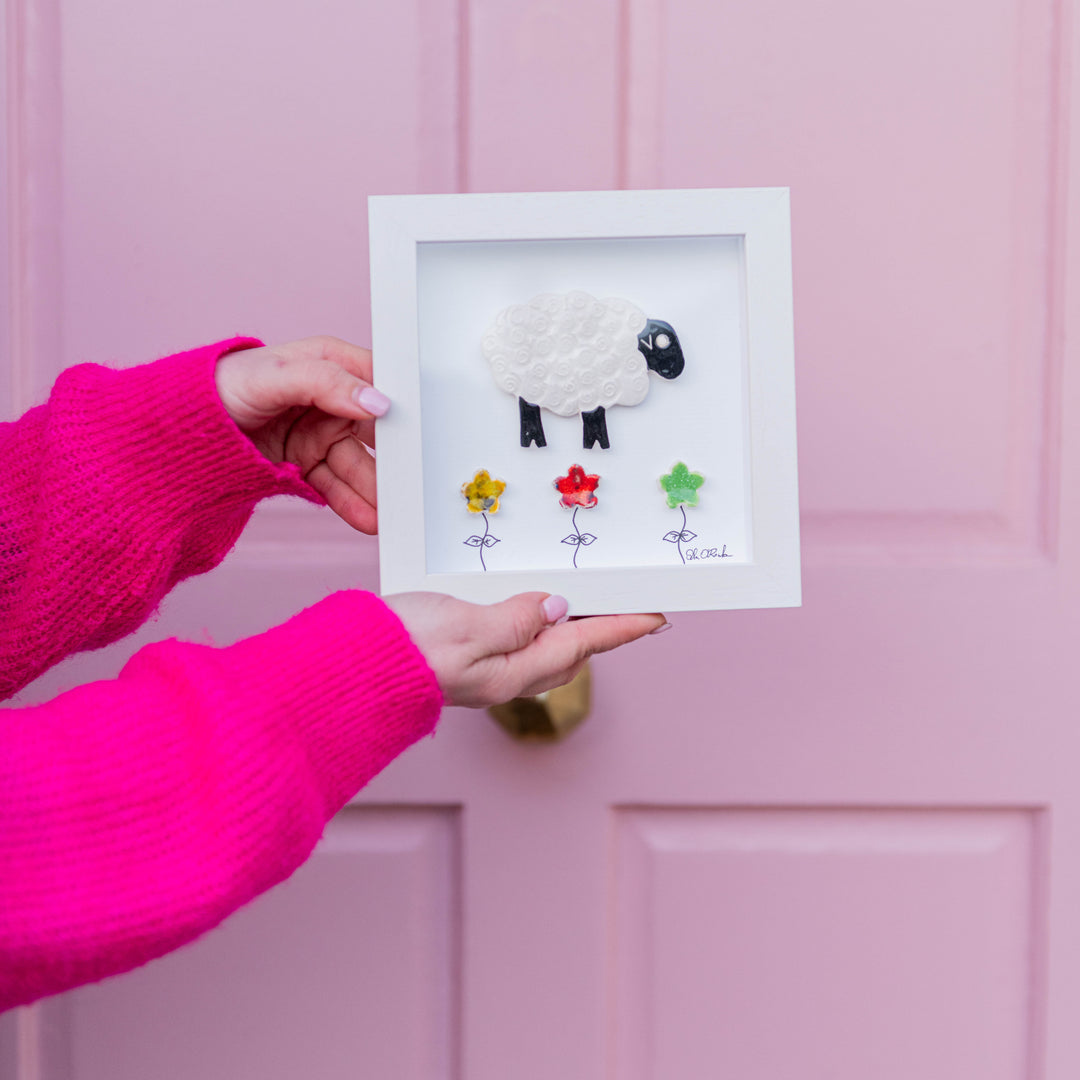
(444, 266)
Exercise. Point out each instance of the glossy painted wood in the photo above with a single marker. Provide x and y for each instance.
(841, 840)
(825, 916)
(899, 155)
(305, 982)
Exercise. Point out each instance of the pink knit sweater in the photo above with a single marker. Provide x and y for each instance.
(139, 812)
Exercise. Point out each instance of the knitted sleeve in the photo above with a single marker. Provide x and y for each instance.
(137, 813)
(121, 485)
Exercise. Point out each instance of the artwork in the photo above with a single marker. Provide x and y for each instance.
(498, 320)
(482, 495)
(570, 353)
(577, 491)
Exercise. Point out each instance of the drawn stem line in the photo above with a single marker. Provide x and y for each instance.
(577, 546)
(678, 543)
(487, 529)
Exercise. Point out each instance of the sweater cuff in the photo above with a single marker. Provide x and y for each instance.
(367, 693)
(167, 417)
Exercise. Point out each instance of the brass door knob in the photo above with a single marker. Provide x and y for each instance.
(550, 716)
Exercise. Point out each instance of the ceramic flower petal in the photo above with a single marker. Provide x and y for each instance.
(577, 488)
(681, 486)
(482, 493)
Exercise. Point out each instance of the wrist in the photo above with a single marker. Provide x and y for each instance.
(188, 450)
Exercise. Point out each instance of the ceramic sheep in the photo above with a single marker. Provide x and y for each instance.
(571, 353)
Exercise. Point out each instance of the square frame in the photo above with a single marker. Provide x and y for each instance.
(760, 219)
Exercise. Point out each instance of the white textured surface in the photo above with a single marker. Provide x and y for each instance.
(569, 352)
(469, 423)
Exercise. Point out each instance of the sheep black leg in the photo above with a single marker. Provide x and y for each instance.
(594, 428)
(532, 427)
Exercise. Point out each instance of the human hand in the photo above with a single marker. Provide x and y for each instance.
(311, 403)
(486, 654)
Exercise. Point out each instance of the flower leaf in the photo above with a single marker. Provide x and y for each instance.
(474, 541)
(490, 541)
(673, 537)
(587, 538)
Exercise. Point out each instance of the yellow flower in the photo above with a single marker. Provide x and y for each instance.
(483, 493)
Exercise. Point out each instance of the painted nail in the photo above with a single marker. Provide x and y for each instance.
(376, 403)
(661, 629)
(556, 609)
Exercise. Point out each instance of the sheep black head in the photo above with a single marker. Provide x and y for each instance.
(660, 347)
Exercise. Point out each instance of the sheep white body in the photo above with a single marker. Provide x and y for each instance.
(569, 353)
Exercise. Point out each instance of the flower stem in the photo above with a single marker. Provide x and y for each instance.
(487, 528)
(577, 546)
(681, 531)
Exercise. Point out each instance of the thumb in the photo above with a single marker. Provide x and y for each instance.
(257, 385)
(513, 624)
(331, 388)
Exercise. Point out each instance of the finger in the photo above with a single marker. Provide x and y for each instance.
(549, 682)
(514, 623)
(311, 436)
(350, 462)
(364, 430)
(353, 358)
(343, 500)
(602, 633)
(326, 385)
(562, 648)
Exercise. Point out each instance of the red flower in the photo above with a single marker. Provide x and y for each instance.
(576, 488)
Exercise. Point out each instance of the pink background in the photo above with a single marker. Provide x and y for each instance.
(842, 841)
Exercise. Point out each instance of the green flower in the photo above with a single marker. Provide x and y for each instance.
(681, 486)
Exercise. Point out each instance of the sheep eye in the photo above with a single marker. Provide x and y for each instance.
(662, 341)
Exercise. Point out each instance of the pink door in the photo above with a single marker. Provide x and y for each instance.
(841, 841)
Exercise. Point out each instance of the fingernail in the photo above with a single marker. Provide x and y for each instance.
(555, 609)
(565, 618)
(376, 403)
(661, 629)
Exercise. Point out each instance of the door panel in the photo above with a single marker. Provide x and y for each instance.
(921, 143)
(543, 95)
(216, 158)
(303, 983)
(766, 941)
